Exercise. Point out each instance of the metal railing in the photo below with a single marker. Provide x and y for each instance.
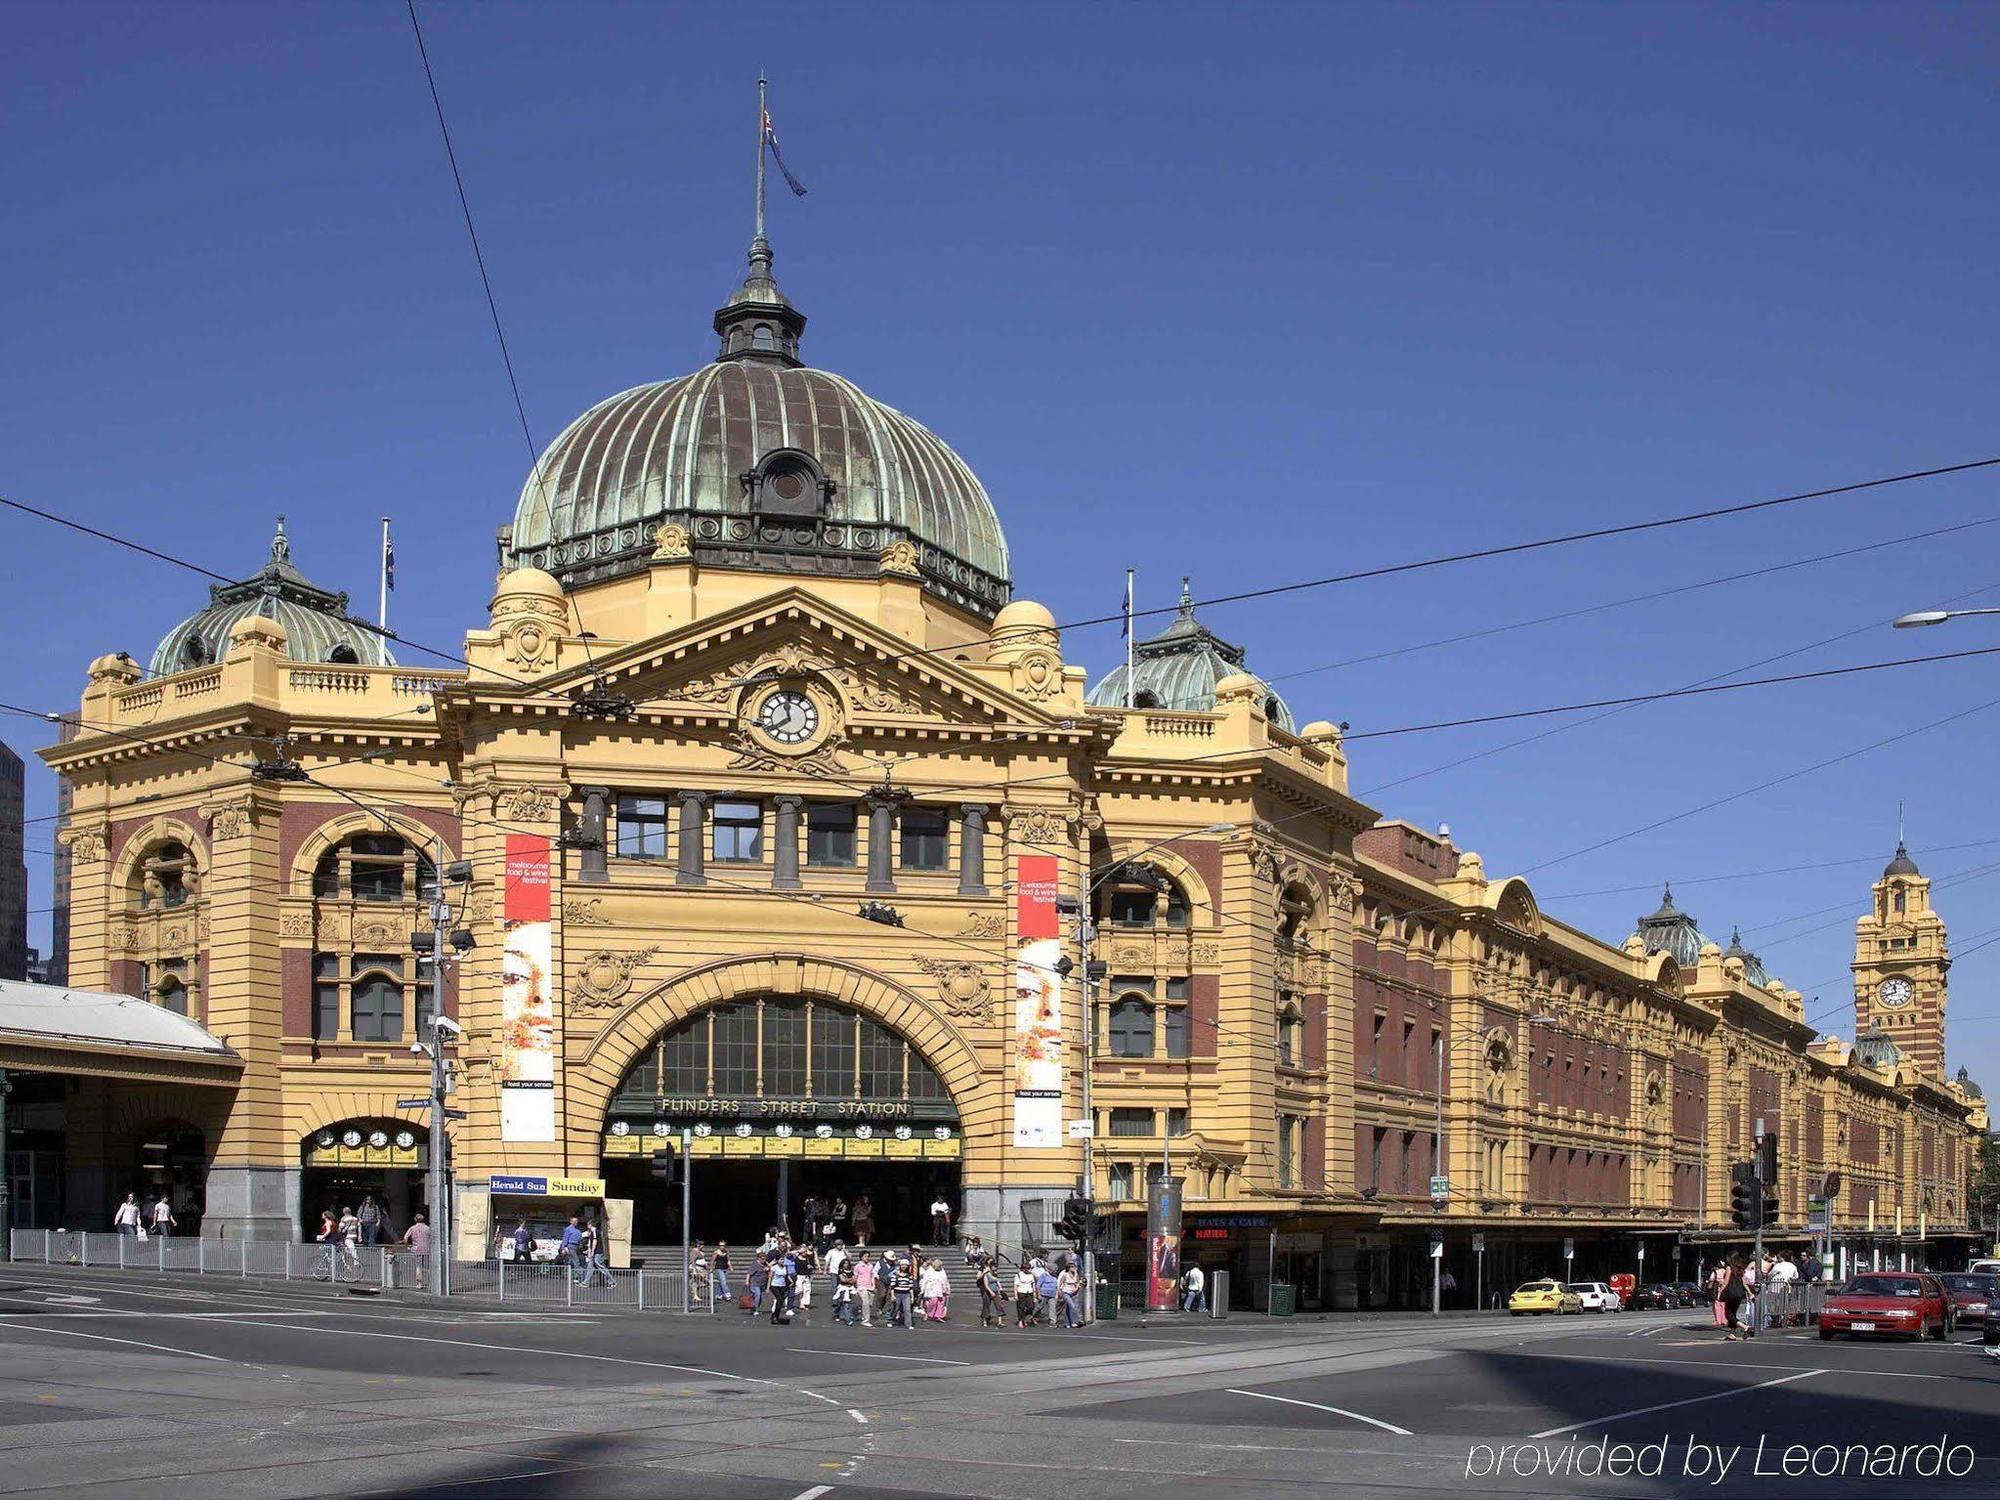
(387, 1267)
(1790, 1304)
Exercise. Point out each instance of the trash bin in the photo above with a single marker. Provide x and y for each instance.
(1281, 1300)
(1107, 1300)
(1218, 1294)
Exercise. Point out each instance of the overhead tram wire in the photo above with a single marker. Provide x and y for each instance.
(1827, 864)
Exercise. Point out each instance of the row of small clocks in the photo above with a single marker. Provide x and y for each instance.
(352, 1138)
(784, 1132)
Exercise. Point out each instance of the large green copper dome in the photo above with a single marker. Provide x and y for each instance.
(766, 464)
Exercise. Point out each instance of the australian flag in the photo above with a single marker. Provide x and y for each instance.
(771, 140)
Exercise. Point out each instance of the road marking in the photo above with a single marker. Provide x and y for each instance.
(814, 1493)
(915, 1359)
(1742, 1364)
(861, 1417)
(1339, 1411)
(1619, 1416)
(131, 1343)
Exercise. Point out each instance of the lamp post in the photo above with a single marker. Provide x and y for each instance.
(1917, 619)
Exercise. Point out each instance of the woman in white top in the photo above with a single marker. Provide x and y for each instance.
(126, 1220)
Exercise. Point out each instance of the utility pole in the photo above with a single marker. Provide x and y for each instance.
(1757, 1238)
(1087, 993)
(440, 940)
(687, 1209)
(1438, 1168)
(6, 1176)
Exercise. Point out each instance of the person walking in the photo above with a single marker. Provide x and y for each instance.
(760, 1279)
(1069, 1289)
(864, 1288)
(418, 1238)
(164, 1222)
(992, 1310)
(936, 1289)
(940, 1221)
(782, 1267)
(594, 1263)
(570, 1252)
(901, 1285)
(804, 1263)
(1024, 1297)
(1717, 1279)
(1194, 1289)
(1045, 1293)
(1733, 1293)
(350, 1237)
(843, 1296)
(720, 1265)
(864, 1220)
(371, 1219)
(126, 1219)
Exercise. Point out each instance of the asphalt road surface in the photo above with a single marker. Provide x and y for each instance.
(118, 1384)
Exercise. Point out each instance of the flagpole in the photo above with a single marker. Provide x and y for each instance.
(1131, 693)
(762, 115)
(382, 614)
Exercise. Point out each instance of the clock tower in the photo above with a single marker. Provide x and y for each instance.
(1900, 962)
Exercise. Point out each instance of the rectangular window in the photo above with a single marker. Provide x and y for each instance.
(735, 1050)
(830, 833)
(376, 873)
(1131, 1029)
(1132, 908)
(923, 830)
(1177, 1121)
(1131, 1122)
(1375, 1047)
(326, 997)
(1120, 1184)
(881, 1062)
(1179, 989)
(1410, 1074)
(1285, 1165)
(684, 1060)
(1177, 1031)
(1437, 1058)
(426, 1006)
(784, 1049)
(832, 1053)
(642, 827)
(376, 1013)
(738, 833)
(1375, 1157)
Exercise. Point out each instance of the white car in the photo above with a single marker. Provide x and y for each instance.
(1595, 1296)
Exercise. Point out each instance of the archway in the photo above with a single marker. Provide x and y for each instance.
(345, 1164)
(798, 1112)
(171, 1163)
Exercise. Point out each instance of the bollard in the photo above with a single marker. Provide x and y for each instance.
(243, 1255)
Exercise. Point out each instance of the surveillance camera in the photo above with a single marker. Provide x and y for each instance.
(448, 1026)
(418, 1049)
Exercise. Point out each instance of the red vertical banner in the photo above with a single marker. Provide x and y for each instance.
(1038, 1008)
(527, 893)
(1035, 878)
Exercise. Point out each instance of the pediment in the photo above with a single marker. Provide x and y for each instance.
(709, 668)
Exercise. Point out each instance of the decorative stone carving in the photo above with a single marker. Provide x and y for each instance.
(899, 559)
(1038, 825)
(526, 804)
(672, 542)
(85, 845)
(753, 755)
(873, 697)
(602, 979)
(479, 908)
(1343, 890)
(295, 924)
(984, 924)
(173, 938)
(1131, 956)
(724, 685)
(230, 821)
(130, 938)
(1207, 953)
(1038, 673)
(585, 911)
(963, 988)
(380, 935)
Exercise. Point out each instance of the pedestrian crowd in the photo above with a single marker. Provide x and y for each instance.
(1734, 1287)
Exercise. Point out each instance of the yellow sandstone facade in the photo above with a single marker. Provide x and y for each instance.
(751, 667)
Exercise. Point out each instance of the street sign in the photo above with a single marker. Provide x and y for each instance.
(1081, 1130)
(1479, 1244)
(454, 1114)
(1437, 1249)
(1818, 1217)
(1569, 1249)
(423, 1103)
(1440, 1187)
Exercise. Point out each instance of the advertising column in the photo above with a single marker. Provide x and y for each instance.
(1038, 1023)
(1163, 1243)
(527, 1006)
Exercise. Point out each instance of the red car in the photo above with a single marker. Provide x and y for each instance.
(1973, 1297)
(1893, 1304)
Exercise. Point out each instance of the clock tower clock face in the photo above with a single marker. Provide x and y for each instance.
(788, 717)
(1895, 991)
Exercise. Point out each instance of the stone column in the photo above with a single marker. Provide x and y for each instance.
(590, 829)
(785, 835)
(692, 830)
(972, 849)
(881, 844)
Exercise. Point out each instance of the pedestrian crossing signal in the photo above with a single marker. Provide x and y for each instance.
(663, 1167)
(1746, 1195)
(1074, 1225)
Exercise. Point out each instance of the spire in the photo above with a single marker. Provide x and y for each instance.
(281, 546)
(758, 322)
(1187, 599)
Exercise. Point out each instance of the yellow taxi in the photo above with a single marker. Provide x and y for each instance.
(1544, 1297)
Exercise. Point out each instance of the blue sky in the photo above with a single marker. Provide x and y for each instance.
(1252, 293)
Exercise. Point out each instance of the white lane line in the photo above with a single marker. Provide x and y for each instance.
(1619, 1416)
(913, 1359)
(65, 1315)
(129, 1343)
(814, 1493)
(1338, 1411)
(860, 1417)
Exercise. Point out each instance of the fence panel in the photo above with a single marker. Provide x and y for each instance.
(180, 1255)
(623, 1291)
(539, 1285)
(65, 1247)
(265, 1257)
(104, 1249)
(28, 1244)
(475, 1278)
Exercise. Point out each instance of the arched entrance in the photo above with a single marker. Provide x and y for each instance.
(172, 1163)
(785, 1102)
(384, 1159)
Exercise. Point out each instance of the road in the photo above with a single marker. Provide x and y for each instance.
(112, 1383)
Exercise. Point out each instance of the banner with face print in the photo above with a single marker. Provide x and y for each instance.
(1038, 1010)
(527, 1072)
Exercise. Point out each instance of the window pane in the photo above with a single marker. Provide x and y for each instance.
(426, 1006)
(173, 997)
(1131, 1029)
(375, 881)
(326, 965)
(1177, 989)
(326, 874)
(881, 1062)
(923, 838)
(924, 1081)
(736, 1050)
(1177, 906)
(738, 832)
(830, 833)
(784, 1048)
(832, 1053)
(326, 1012)
(684, 1059)
(1131, 1122)
(378, 1010)
(642, 827)
(1177, 1032)
(1132, 908)
(1177, 1121)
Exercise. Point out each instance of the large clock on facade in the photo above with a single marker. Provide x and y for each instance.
(787, 717)
(1895, 991)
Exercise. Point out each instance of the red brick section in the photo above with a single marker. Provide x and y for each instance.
(1206, 857)
(1315, 1163)
(1204, 991)
(1409, 850)
(1315, 1019)
(122, 830)
(295, 973)
(1864, 1143)
(298, 820)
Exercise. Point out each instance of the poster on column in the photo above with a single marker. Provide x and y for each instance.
(1038, 1010)
(527, 997)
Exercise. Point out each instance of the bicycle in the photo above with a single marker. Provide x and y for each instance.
(337, 1263)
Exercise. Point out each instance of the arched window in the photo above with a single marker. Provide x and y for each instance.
(372, 867)
(1133, 897)
(1291, 1035)
(173, 996)
(164, 878)
(344, 654)
(1147, 698)
(1899, 901)
(760, 337)
(1295, 910)
(1131, 1030)
(193, 652)
(377, 1014)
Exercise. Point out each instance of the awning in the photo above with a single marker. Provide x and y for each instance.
(46, 1028)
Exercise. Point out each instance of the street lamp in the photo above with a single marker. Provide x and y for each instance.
(1921, 617)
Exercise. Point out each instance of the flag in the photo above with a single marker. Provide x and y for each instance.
(388, 560)
(771, 140)
(1125, 629)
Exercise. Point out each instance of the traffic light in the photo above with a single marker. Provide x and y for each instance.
(663, 1166)
(1767, 1160)
(1770, 1208)
(1744, 1194)
(1074, 1225)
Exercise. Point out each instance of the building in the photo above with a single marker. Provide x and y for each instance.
(13, 867)
(770, 791)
